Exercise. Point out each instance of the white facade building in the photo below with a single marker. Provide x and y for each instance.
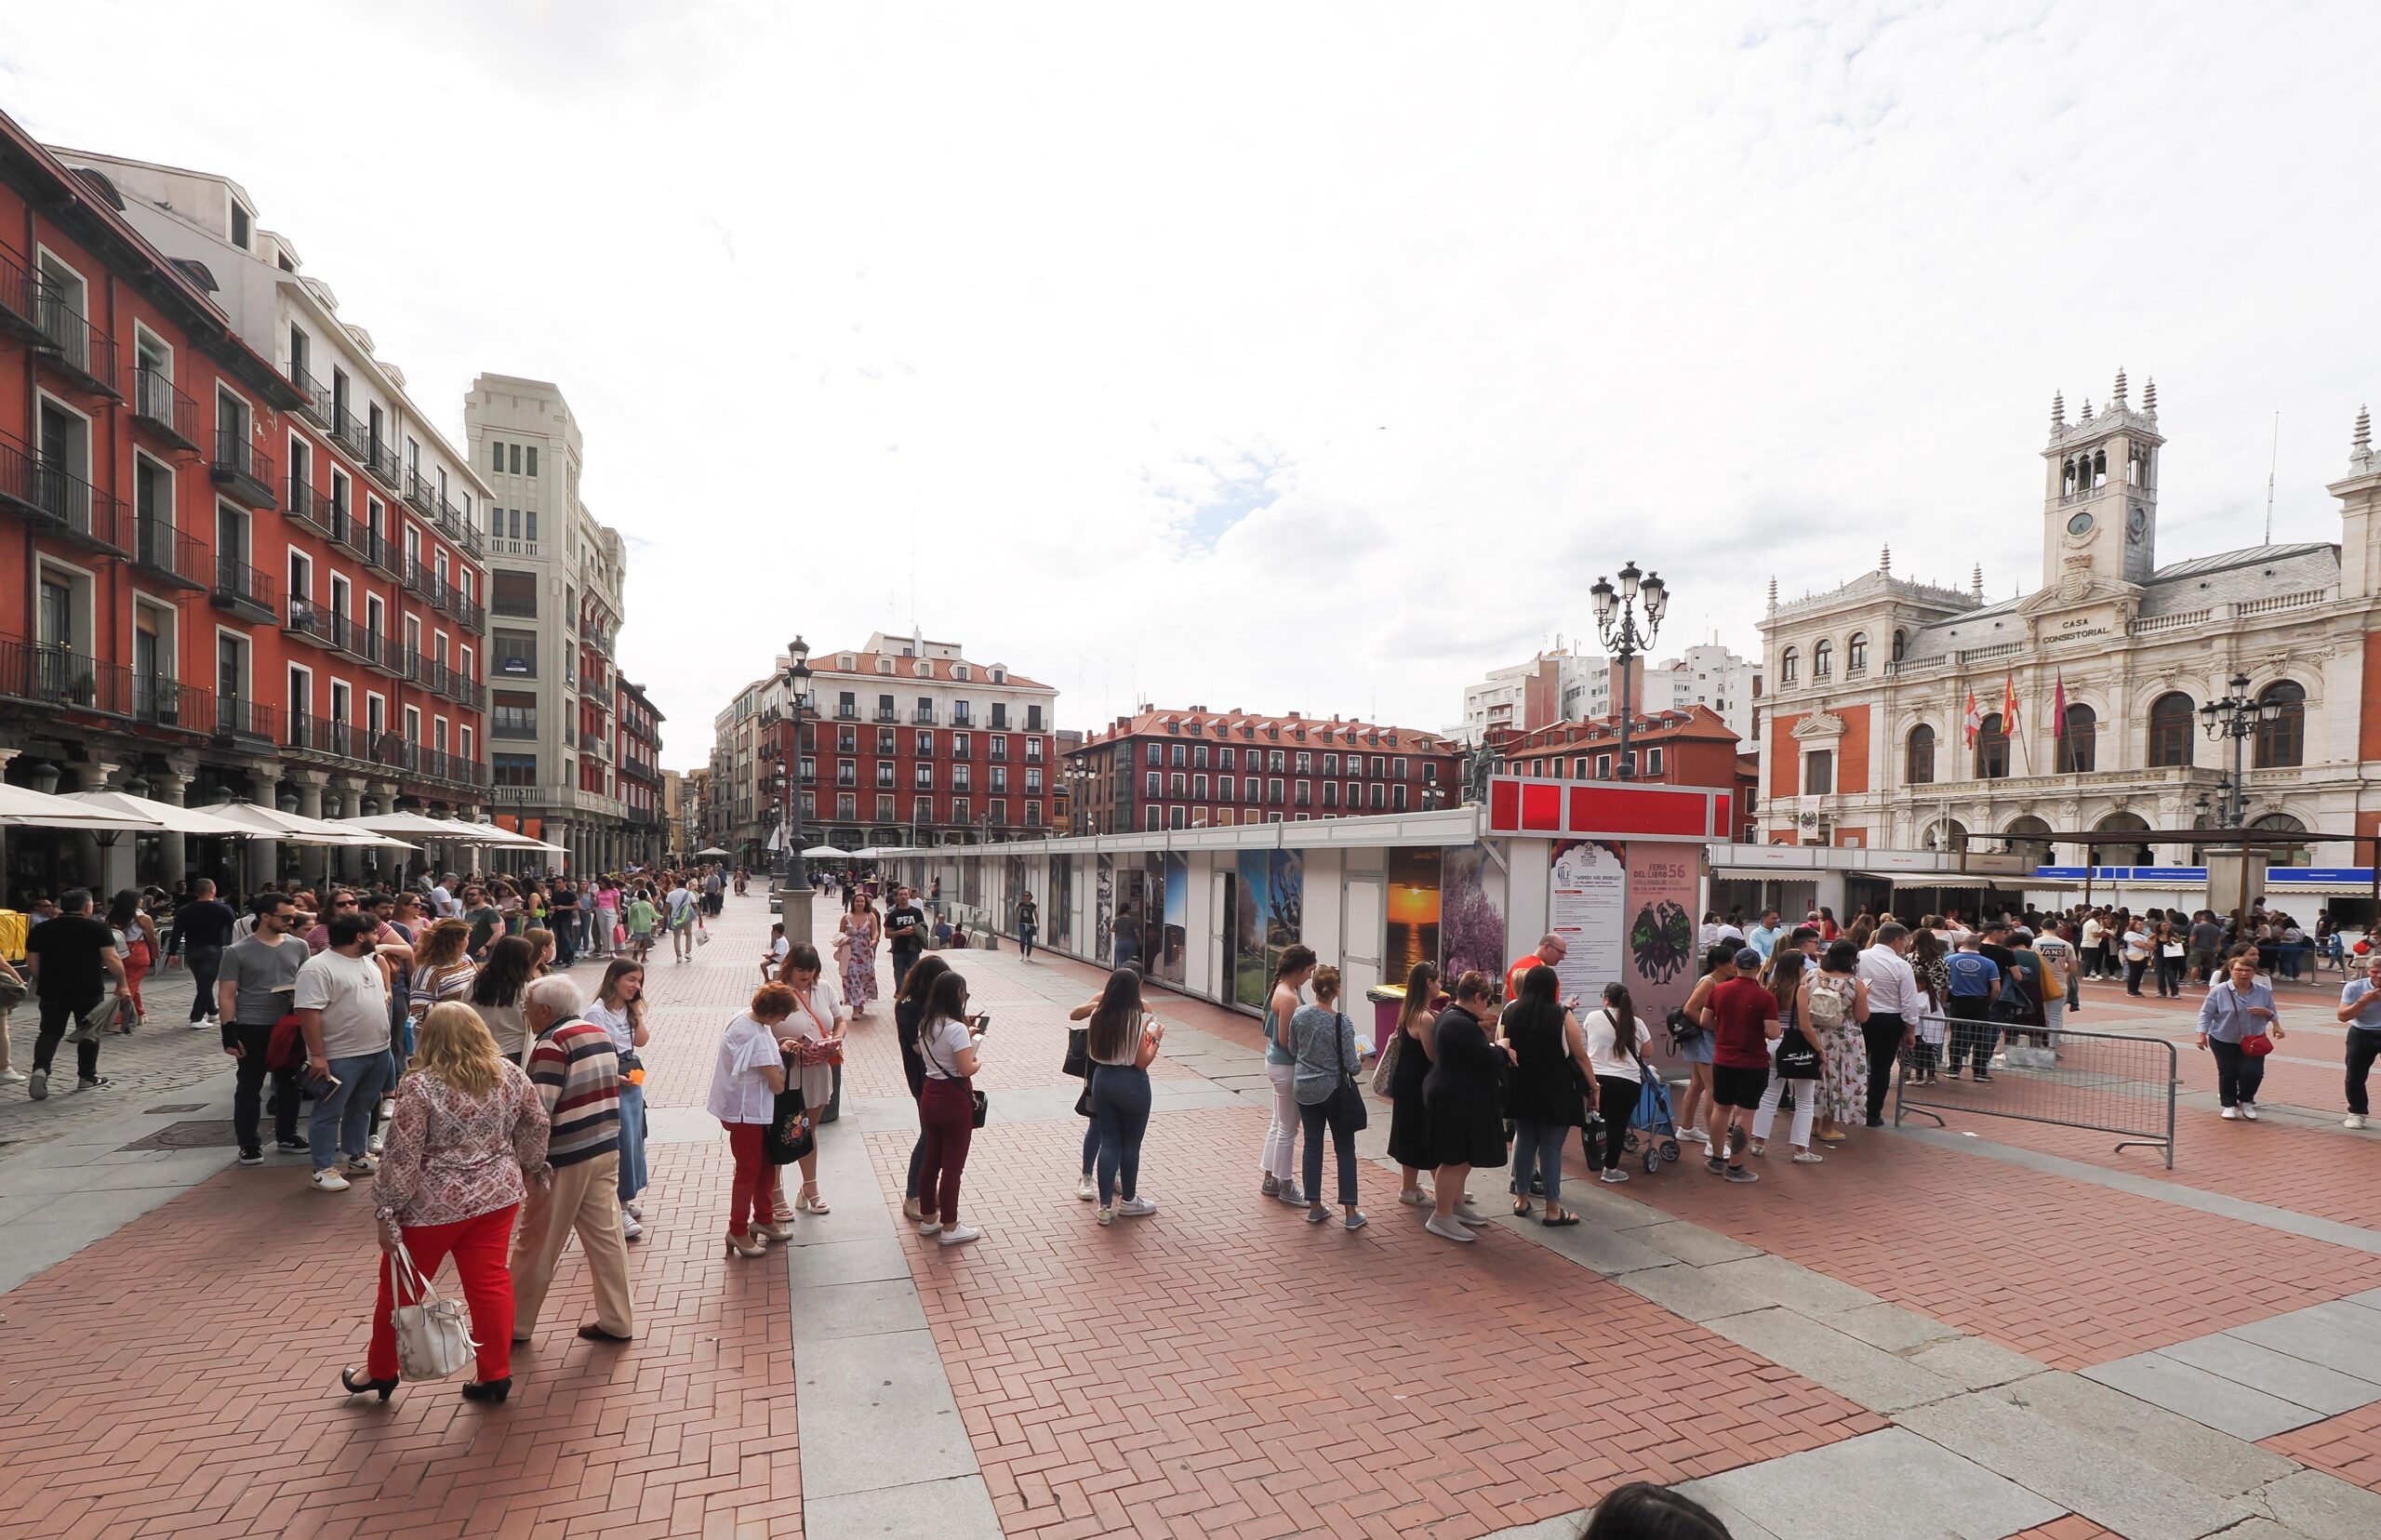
(1707, 675)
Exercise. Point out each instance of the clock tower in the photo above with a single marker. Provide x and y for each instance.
(2100, 514)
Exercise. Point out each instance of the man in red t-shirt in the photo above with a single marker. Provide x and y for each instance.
(1742, 1015)
(1551, 950)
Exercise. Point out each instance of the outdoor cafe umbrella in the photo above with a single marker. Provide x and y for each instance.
(297, 829)
(709, 850)
(168, 818)
(825, 853)
(419, 827)
(22, 807)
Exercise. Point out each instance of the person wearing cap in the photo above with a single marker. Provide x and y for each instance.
(1743, 1018)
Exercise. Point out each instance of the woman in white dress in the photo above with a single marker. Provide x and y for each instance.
(856, 934)
(818, 1017)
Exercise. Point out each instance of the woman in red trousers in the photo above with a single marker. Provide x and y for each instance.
(744, 1085)
(469, 1131)
(947, 1041)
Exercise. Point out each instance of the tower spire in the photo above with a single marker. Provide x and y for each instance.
(1885, 559)
(2149, 397)
(2360, 457)
(2058, 411)
(1772, 593)
(1976, 580)
(2087, 409)
(2115, 398)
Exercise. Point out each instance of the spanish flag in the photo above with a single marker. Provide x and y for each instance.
(2058, 706)
(2009, 706)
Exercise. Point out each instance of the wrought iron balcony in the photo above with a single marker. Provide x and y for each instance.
(164, 411)
(161, 549)
(380, 459)
(306, 619)
(241, 470)
(311, 509)
(79, 350)
(241, 590)
(240, 722)
(59, 502)
(60, 678)
(352, 434)
(316, 409)
(19, 302)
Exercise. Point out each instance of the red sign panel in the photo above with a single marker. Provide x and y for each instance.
(1520, 805)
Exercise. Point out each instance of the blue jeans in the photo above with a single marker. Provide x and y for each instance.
(1537, 1149)
(342, 1121)
(1091, 1128)
(1119, 1108)
(632, 1175)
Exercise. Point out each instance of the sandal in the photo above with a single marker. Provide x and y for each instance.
(1520, 1209)
(1551, 1221)
(808, 1202)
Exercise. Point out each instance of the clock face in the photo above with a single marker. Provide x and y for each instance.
(2079, 525)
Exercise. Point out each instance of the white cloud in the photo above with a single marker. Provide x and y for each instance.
(1310, 357)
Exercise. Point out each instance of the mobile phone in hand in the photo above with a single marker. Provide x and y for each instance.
(984, 1022)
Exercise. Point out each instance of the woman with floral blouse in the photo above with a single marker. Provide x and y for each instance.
(468, 1129)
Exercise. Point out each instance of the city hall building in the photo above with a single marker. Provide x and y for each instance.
(1871, 739)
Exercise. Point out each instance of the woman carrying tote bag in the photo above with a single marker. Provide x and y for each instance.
(1323, 1044)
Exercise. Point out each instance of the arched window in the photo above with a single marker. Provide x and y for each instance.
(2282, 725)
(1901, 645)
(2076, 741)
(2067, 479)
(1991, 750)
(2172, 726)
(2099, 468)
(2283, 855)
(1855, 653)
(1790, 665)
(1920, 767)
(1822, 659)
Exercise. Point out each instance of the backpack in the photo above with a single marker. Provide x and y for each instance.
(1827, 1005)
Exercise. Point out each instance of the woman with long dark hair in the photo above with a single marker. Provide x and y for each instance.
(1617, 1041)
(1409, 1125)
(950, 1045)
(1121, 1040)
(618, 1008)
(1281, 1067)
(1459, 1094)
(1799, 1058)
(908, 1014)
(136, 943)
(1552, 1086)
(495, 993)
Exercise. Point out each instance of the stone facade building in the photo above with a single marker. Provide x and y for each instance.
(1867, 739)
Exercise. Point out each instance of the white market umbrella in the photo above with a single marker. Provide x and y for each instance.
(297, 829)
(22, 807)
(825, 853)
(506, 839)
(420, 826)
(710, 850)
(171, 819)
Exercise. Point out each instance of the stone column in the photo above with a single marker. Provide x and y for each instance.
(342, 802)
(101, 863)
(310, 785)
(171, 788)
(12, 900)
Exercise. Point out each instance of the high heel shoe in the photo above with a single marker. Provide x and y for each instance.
(808, 1201)
(779, 1231)
(356, 1386)
(491, 1393)
(751, 1246)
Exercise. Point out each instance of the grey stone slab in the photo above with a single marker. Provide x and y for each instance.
(956, 1509)
(679, 1125)
(2369, 1299)
(1972, 1363)
(1779, 1281)
(59, 1228)
(12, 1209)
(2322, 1507)
(877, 1412)
(2156, 1436)
(866, 1260)
(1183, 1097)
(1890, 1327)
(1870, 1376)
(868, 1308)
(1698, 1294)
(176, 1169)
(1693, 1244)
(2335, 1335)
(2075, 1472)
(1888, 1485)
(2329, 1391)
(1609, 1253)
(2226, 1405)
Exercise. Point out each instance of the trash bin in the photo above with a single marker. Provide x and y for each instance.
(1388, 1000)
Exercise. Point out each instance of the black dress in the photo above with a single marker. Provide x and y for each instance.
(1546, 1079)
(1409, 1125)
(1459, 1094)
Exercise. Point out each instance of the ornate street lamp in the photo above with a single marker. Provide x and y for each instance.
(1616, 613)
(2236, 716)
(793, 894)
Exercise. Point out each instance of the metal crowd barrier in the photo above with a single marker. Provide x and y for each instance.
(2105, 1081)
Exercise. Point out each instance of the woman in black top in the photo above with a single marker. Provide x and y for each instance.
(1029, 925)
(1409, 1125)
(562, 920)
(1460, 1095)
(1553, 1086)
(908, 1011)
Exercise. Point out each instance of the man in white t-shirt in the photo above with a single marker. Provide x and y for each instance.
(681, 910)
(342, 1005)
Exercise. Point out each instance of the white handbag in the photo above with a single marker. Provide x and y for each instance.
(433, 1336)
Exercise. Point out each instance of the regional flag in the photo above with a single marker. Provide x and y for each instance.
(2058, 707)
(1972, 722)
(2009, 705)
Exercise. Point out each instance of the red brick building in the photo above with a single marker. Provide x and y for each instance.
(169, 484)
(638, 766)
(1194, 768)
(1688, 748)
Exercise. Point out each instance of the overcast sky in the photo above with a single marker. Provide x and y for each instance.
(1298, 357)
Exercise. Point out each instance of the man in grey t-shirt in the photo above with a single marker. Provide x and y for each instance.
(2207, 939)
(255, 986)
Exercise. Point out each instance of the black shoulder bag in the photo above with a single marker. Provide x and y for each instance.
(1347, 1110)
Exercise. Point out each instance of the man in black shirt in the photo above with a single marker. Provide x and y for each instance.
(70, 960)
(905, 925)
(202, 929)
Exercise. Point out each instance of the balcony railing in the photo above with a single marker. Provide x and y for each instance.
(316, 409)
(594, 743)
(242, 469)
(305, 619)
(20, 301)
(71, 340)
(164, 411)
(242, 589)
(312, 508)
(922, 716)
(166, 551)
(380, 459)
(65, 679)
(593, 685)
(240, 719)
(61, 502)
(352, 434)
(422, 494)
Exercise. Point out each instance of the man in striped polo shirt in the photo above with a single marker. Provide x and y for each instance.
(575, 1068)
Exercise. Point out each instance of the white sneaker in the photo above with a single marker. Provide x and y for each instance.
(959, 1235)
(1133, 1208)
(372, 1145)
(932, 1227)
(360, 1166)
(1612, 1174)
(387, 1109)
(1106, 1217)
(2249, 1110)
(1469, 1215)
(2230, 1113)
(1449, 1229)
(11, 1077)
(635, 1207)
(630, 1228)
(1809, 1157)
(2354, 1120)
(1696, 1135)
(1415, 1198)
(329, 1180)
(1085, 1190)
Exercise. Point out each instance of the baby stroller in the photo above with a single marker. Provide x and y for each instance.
(1651, 1127)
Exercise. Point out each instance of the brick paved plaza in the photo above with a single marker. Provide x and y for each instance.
(1989, 1329)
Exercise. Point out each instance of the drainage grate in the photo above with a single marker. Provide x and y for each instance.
(198, 1134)
(176, 1107)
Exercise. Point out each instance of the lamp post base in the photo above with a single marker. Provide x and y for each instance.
(793, 909)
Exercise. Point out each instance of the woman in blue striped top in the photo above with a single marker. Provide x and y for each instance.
(2240, 1006)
